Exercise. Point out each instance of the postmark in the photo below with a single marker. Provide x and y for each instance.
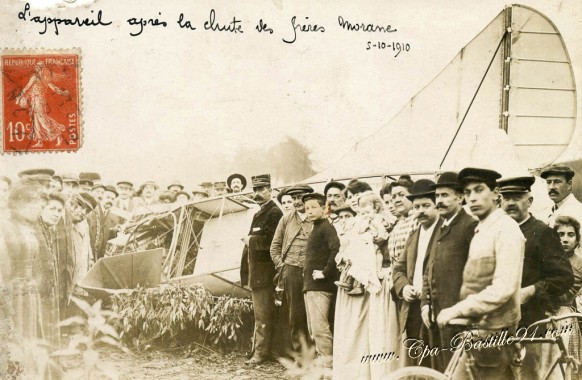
(41, 101)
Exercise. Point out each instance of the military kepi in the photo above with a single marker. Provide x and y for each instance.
(261, 180)
(478, 175)
(516, 184)
(564, 170)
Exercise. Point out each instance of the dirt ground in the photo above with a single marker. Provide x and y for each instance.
(177, 364)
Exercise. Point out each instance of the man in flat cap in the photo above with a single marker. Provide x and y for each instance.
(288, 254)
(42, 176)
(79, 206)
(443, 277)
(236, 182)
(125, 200)
(318, 277)
(70, 185)
(85, 185)
(95, 178)
(409, 268)
(259, 268)
(334, 195)
(559, 184)
(490, 294)
(547, 272)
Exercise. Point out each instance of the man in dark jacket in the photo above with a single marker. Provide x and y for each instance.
(261, 268)
(547, 272)
(409, 269)
(319, 275)
(443, 277)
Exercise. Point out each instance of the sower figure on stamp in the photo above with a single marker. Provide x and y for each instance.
(261, 269)
(443, 277)
(288, 254)
(409, 269)
(34, 97)
(547, 272)
(491, 278)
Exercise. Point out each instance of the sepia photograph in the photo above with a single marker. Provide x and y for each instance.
(290, 190)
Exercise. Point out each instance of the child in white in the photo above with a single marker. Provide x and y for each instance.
(360, 246)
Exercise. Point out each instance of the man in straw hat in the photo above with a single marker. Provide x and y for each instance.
(236, 183)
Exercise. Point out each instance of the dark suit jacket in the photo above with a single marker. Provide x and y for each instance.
(443, 278)
(546, 266)
(403, 272)
(256, 258)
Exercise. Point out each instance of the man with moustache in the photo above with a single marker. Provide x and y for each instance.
(490, 294)
(288, 253)
(125, 199)
(559, 184)
(110, 220)
(261, 269)
(95, 221)
(236, 183)
(547, 272)
(79, 206)
(334, 196)
(409, 268)
(443, 277)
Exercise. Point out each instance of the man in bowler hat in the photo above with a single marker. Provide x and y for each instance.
(443, 277)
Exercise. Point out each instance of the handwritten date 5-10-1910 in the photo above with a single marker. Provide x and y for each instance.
(396, 47)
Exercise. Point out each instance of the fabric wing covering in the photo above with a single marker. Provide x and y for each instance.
(541, 107)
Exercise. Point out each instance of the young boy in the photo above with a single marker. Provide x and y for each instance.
(319, 274)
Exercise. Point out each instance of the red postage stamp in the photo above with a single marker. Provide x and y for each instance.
(41, 99)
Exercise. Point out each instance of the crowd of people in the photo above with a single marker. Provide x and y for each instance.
(53, 228)
(356, 273)
(366, 276)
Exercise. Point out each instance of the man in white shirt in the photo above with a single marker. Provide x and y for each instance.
(409, 268)
(559, 183)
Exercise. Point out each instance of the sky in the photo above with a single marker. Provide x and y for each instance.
(176, 103)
